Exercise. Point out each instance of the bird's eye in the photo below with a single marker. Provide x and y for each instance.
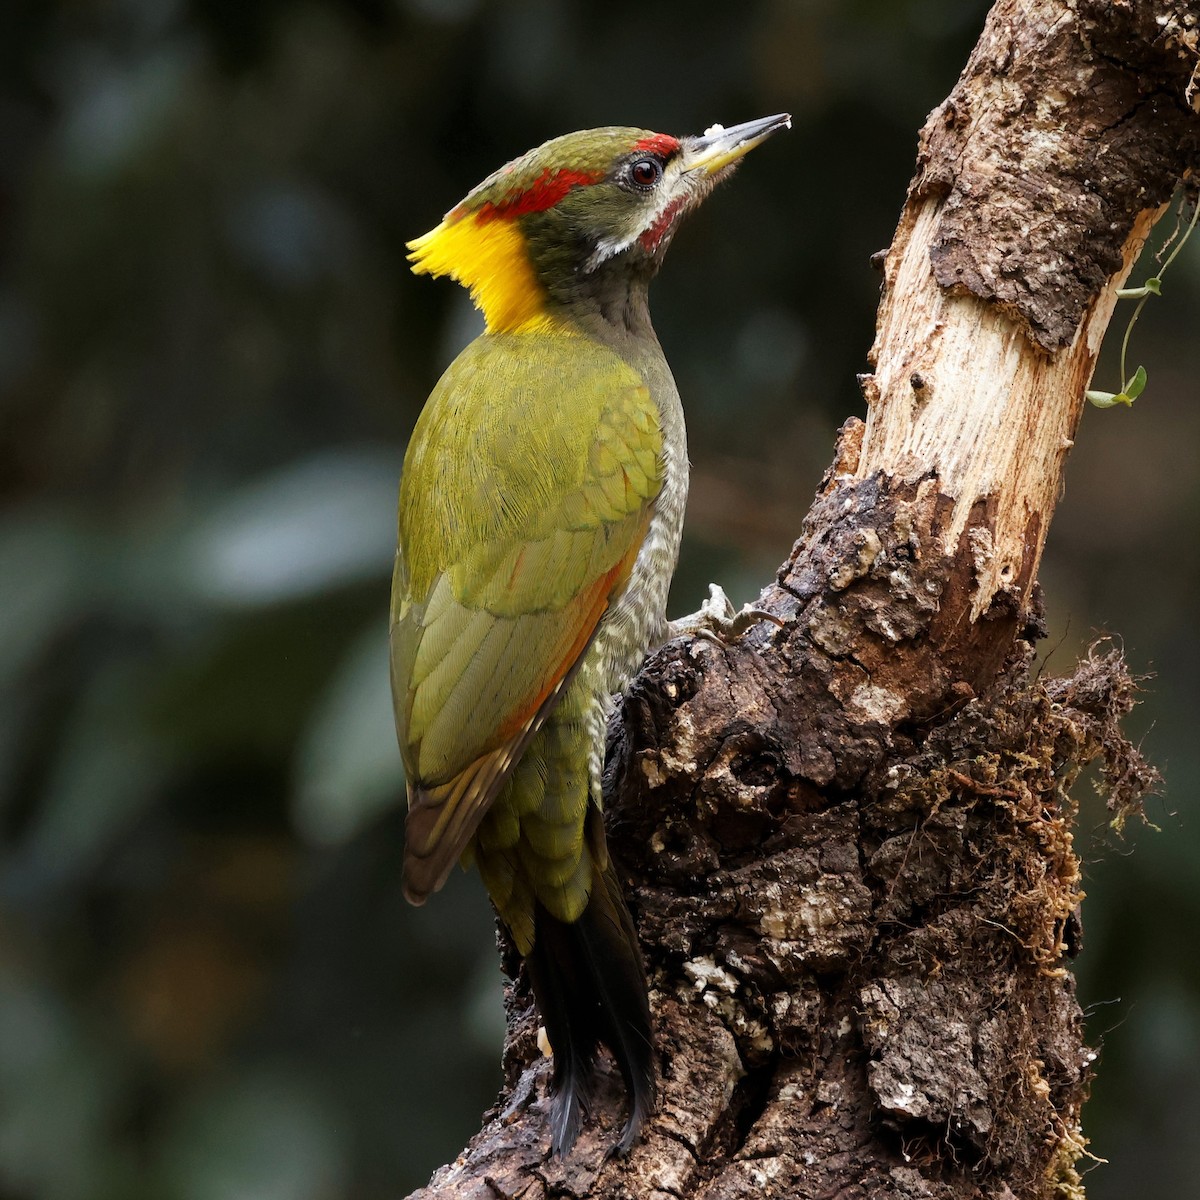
(646, 172)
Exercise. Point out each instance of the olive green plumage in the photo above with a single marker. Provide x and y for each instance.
(531, 501)
(541, 508)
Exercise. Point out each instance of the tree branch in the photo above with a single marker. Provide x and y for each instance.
(850, 840)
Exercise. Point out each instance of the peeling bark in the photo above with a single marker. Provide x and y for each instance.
(849, 841)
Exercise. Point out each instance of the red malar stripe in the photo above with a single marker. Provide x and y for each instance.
(652, 236)
(662, 144)
(545, 192)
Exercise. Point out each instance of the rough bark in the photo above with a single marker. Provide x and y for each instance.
(848, 840)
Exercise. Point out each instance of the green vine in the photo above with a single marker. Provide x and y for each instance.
(1135, 384)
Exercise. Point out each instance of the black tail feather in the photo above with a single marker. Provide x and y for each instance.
(590, 987)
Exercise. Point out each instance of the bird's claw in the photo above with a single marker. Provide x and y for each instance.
(718, 621)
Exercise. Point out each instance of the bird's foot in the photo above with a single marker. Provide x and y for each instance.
(718, 621)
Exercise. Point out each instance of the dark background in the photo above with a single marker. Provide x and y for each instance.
(211, 354)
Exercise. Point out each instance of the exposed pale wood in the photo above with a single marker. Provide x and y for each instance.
(960, 396)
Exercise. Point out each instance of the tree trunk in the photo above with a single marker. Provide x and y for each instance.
(848, 841)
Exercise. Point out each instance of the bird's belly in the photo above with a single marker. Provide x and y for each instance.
(636, 620)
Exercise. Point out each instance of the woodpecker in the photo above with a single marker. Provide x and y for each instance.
(540, 512)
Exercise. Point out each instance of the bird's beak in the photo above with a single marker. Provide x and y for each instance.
(719, 147)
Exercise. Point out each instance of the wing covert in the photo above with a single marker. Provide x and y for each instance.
(523, 506)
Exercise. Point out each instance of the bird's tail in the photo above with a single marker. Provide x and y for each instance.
(590, 987)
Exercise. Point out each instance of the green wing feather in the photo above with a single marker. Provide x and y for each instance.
(526, 494)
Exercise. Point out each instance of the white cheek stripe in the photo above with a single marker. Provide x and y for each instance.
(608, 248)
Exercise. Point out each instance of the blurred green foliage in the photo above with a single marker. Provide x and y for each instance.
(211, 354)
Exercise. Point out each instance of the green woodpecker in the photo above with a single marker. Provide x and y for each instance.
(541, 508)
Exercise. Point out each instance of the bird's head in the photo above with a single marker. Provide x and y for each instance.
(547, 230)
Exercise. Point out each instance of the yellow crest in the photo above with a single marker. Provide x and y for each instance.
(489, 258)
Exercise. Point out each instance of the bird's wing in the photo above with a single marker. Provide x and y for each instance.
(527, 492)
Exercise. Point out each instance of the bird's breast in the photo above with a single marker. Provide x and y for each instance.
(636, 620)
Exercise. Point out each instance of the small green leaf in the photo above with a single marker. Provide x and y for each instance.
(1135, 386)
(1152, 287)
(1136, 383)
